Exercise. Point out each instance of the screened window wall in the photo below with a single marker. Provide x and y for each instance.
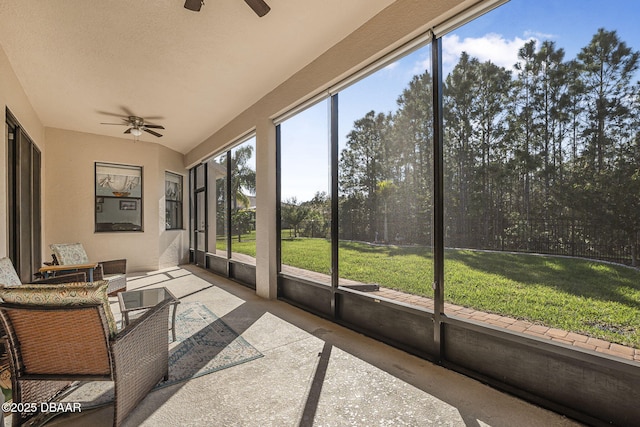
(231, 202)
(243, 201)
(385, 179)
(540, 189)
(305, 204)
(541, 172)
(384, 173)
(223, 195)
(218, 219)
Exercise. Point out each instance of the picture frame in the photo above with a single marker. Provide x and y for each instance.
(128, 205)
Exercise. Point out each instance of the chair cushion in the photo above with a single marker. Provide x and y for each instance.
(8, 275)
(68, 294)
(69, 253)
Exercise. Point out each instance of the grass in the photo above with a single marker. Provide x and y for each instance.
(577, 295)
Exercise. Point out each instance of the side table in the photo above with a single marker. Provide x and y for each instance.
(145, 299)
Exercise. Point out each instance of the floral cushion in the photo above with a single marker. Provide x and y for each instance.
(68, 294)
(69, 253)
(8, 275)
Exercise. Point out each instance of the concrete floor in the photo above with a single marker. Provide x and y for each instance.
(313, 373)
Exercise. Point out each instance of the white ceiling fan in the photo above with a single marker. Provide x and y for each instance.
(137, 125)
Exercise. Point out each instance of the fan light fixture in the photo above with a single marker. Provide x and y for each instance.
(136, 132)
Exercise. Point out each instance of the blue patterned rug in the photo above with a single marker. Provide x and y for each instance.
(204, 344)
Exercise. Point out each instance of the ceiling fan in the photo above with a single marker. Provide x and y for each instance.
(258, 6)
(137, 125)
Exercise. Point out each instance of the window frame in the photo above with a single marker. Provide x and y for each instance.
(99, 199)
(175, 203)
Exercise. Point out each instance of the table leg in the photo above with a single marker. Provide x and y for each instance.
(173, 321)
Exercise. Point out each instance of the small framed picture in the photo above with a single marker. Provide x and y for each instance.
(128, 205)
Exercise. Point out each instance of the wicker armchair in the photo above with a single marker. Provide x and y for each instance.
(8, 276)
(73, 254)
(51, 346)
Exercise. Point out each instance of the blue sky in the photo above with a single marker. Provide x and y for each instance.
(496, 36)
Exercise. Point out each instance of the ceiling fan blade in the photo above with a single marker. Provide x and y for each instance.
(152, 132)
(108, 113)
(117, 124)
(258, 6)
(193, 5)
(128, 130)
(127, 111)
(153, 126)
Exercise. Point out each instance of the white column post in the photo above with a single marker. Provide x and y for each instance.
(266, 262)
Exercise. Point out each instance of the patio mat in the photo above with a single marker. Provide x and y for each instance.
(204, 344)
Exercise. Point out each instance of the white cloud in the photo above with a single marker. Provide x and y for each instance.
(538, 35)
(392, 66)
(492, 46)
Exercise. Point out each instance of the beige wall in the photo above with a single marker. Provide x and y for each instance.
(12, 96)
(69, 182)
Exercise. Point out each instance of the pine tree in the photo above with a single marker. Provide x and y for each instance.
(362, 167)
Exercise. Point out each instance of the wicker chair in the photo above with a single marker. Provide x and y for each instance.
(8, 276)
(51, 346)
(114, 271)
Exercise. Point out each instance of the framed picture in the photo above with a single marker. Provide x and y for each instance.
(99, 208)
(128, 205)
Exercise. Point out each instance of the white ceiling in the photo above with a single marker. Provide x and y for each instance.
(83, 62)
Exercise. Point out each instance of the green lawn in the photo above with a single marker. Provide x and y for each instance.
(582, 296)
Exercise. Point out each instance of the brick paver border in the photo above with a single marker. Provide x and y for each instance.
(540, 331)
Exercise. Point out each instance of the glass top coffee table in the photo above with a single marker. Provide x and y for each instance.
(145, 299)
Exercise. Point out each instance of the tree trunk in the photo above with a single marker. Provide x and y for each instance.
(386, 232)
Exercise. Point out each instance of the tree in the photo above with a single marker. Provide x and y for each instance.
(526, 125)
(489, 86)
(606, 172)
(319, 218)
(243, 177)
(361, 165)
(410, 159)
(384, 189)
(242, 220)
(553, 99)
(607, 67)
(459, 117)
(538, 126)
(293, 214)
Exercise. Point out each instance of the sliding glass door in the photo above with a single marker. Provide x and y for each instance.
(23, 168)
